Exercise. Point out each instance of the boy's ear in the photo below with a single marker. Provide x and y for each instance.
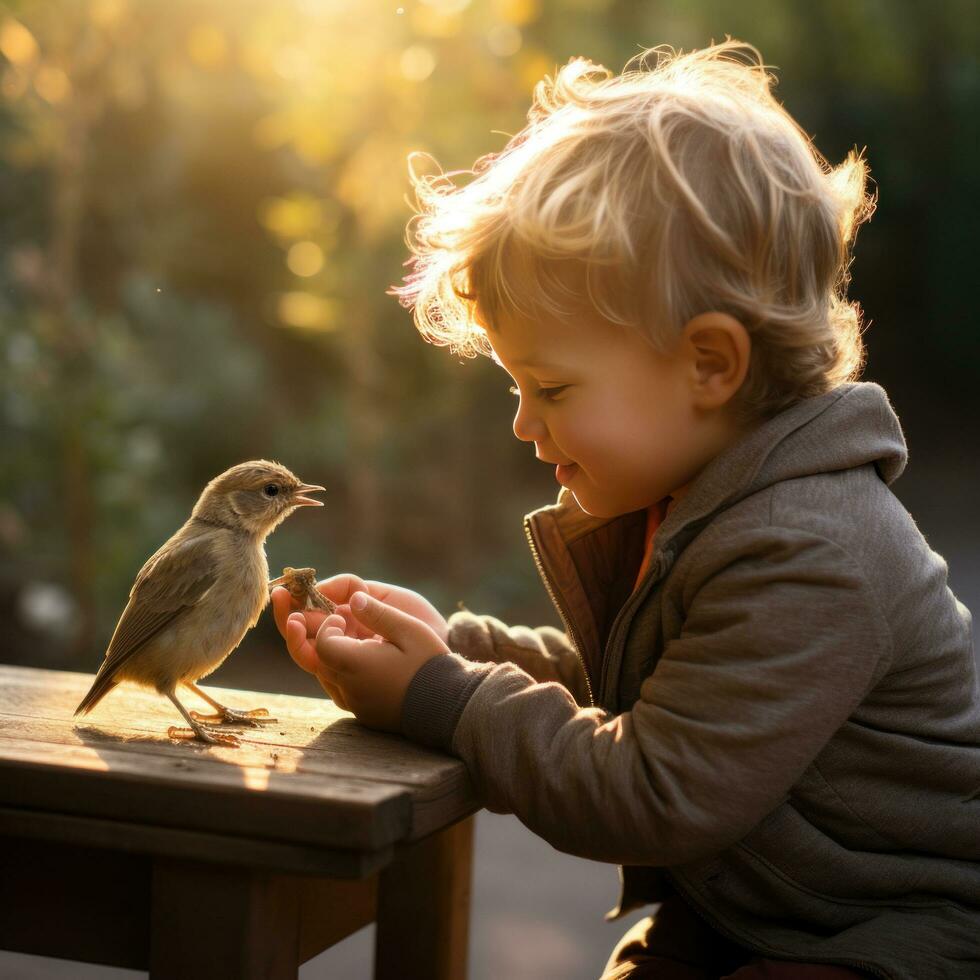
(717, 349)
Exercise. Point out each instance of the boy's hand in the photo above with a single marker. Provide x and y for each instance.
(370, 676)
(339, 589)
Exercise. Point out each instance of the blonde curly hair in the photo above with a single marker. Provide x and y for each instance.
(668, 191)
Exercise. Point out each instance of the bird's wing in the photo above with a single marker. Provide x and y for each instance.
(173, 580)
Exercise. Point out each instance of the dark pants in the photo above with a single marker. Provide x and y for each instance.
(675, 943)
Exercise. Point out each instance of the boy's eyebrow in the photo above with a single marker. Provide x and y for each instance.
(531, 362)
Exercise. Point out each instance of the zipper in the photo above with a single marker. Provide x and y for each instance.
(634, 601)
(559, 605)
(664, 560)
(754, 944)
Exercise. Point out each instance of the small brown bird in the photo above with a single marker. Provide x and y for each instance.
(198, 595)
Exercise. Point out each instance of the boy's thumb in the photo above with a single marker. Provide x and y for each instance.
(387, 621)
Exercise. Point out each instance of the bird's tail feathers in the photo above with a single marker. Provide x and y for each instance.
(102, 686)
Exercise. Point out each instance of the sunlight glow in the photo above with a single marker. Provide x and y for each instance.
(17, 44)
(14, 84)
(305, 259)
(504, 40)
(417, 63)
(207, 46)
(517, 11)
(295, 216)
(52, 84)
(436, 22)
(306, 311)
(293, 62)
(105, 13)
(254, 778)
(447, 6)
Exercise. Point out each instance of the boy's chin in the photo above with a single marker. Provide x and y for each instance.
(597, 508)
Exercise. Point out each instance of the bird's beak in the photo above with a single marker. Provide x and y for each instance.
(307, 501)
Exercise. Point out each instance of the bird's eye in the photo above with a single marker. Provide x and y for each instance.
(271, 489)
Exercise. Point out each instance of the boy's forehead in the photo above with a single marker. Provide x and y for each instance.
(526, 362)
(536, 344)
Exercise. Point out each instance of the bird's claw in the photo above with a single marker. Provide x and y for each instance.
(209, 719)
(204, 734)
(233, 717)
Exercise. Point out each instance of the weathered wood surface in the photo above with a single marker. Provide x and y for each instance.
(313, 779)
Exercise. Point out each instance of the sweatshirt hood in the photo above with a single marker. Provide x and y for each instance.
(851, 426)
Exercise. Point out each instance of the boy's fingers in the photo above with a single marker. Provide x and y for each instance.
(295, 633)
(327, 673)
(351, 626)
(357, 628)
(387, 621)
(297, 644)
(282, 606)
(335, 651)
(339, 588)
(333, 691)
(313, 619)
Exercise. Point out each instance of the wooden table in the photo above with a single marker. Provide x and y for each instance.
(121, 846)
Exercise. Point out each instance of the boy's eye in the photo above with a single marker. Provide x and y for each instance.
(547, 394)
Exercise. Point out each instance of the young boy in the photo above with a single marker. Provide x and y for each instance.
(764, 704)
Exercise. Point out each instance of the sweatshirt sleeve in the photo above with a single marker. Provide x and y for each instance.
(543, 651)
(782, 639)
(441, 688)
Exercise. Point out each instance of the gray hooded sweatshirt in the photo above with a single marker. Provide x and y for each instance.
(782, 721)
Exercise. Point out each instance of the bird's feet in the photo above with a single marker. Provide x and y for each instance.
(253, 718)
(203, 734)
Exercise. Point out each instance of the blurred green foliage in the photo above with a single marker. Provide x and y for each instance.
(204, 203)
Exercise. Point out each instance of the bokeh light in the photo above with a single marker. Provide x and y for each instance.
(417, 63)
(305, 259)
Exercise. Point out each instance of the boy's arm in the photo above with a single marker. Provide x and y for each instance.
(783, 638)
(543, 652)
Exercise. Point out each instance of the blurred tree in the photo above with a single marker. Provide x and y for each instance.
(205, 204)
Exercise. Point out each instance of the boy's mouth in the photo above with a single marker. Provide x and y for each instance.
(565, 472)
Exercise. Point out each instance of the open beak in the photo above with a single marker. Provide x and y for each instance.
(302, 501)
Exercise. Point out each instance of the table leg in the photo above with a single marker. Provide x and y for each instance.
(423, 908)
(211, 920)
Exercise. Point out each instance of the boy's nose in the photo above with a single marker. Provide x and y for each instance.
(527, 427)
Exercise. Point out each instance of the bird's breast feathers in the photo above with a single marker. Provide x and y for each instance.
(203, 631)
(243, 582)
